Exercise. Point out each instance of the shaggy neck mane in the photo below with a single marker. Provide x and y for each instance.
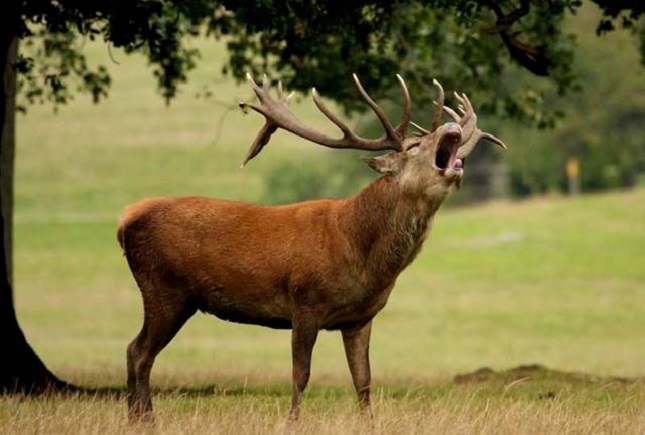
(386, 228)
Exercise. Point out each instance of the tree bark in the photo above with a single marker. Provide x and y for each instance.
(21, 371)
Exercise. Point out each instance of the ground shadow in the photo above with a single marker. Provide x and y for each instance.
(120, 392)
(483, 377)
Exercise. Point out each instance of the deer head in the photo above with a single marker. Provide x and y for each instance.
(423, 161)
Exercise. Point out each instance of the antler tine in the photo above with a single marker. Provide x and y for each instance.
(255, 87)
(454, 115)
(469, 145)
(266, 83)
(438, 113)
(333, 118)
(468, 121)
(403, 125)
(279, 89)
(380, 114)
(494, 139)
(263, 137)
(418, 127)
(286, 98)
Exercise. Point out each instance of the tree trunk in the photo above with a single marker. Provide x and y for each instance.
(21, 371)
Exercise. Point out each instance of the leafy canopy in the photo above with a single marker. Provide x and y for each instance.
(466, 44)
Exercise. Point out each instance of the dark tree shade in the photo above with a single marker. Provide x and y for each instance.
(20, 368)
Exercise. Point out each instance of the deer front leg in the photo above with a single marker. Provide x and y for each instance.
(303, 338)
(357, 346)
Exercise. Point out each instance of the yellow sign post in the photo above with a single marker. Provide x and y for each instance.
(573, 174)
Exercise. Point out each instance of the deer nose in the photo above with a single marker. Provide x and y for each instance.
(452, 131)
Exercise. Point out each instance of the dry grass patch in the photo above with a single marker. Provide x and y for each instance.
(529, 399)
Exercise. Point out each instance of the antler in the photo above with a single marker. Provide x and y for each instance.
(438, 113)
(471, 134)
(278, 115)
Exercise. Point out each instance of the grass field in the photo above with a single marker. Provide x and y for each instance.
(552, 281)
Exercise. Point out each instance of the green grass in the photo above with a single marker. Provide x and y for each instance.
(553, 281)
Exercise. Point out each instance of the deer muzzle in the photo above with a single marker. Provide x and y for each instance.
(446, 155)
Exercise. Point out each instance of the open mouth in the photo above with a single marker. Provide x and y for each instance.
(446, 157)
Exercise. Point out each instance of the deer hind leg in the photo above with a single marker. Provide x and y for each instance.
(303, 338)
(160, 325)
(357, 345)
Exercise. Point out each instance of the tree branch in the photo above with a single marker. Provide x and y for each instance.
(529, 57)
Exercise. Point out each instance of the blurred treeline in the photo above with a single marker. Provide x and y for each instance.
(601, 129)
(603, 124)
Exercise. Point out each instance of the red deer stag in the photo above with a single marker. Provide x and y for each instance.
(323, 264)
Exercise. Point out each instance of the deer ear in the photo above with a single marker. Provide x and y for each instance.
(389, 163)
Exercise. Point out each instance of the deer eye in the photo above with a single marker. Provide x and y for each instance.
(413, 150)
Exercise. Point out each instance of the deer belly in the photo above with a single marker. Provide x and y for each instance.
(265, 308)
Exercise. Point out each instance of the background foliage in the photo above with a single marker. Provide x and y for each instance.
(525, 64)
